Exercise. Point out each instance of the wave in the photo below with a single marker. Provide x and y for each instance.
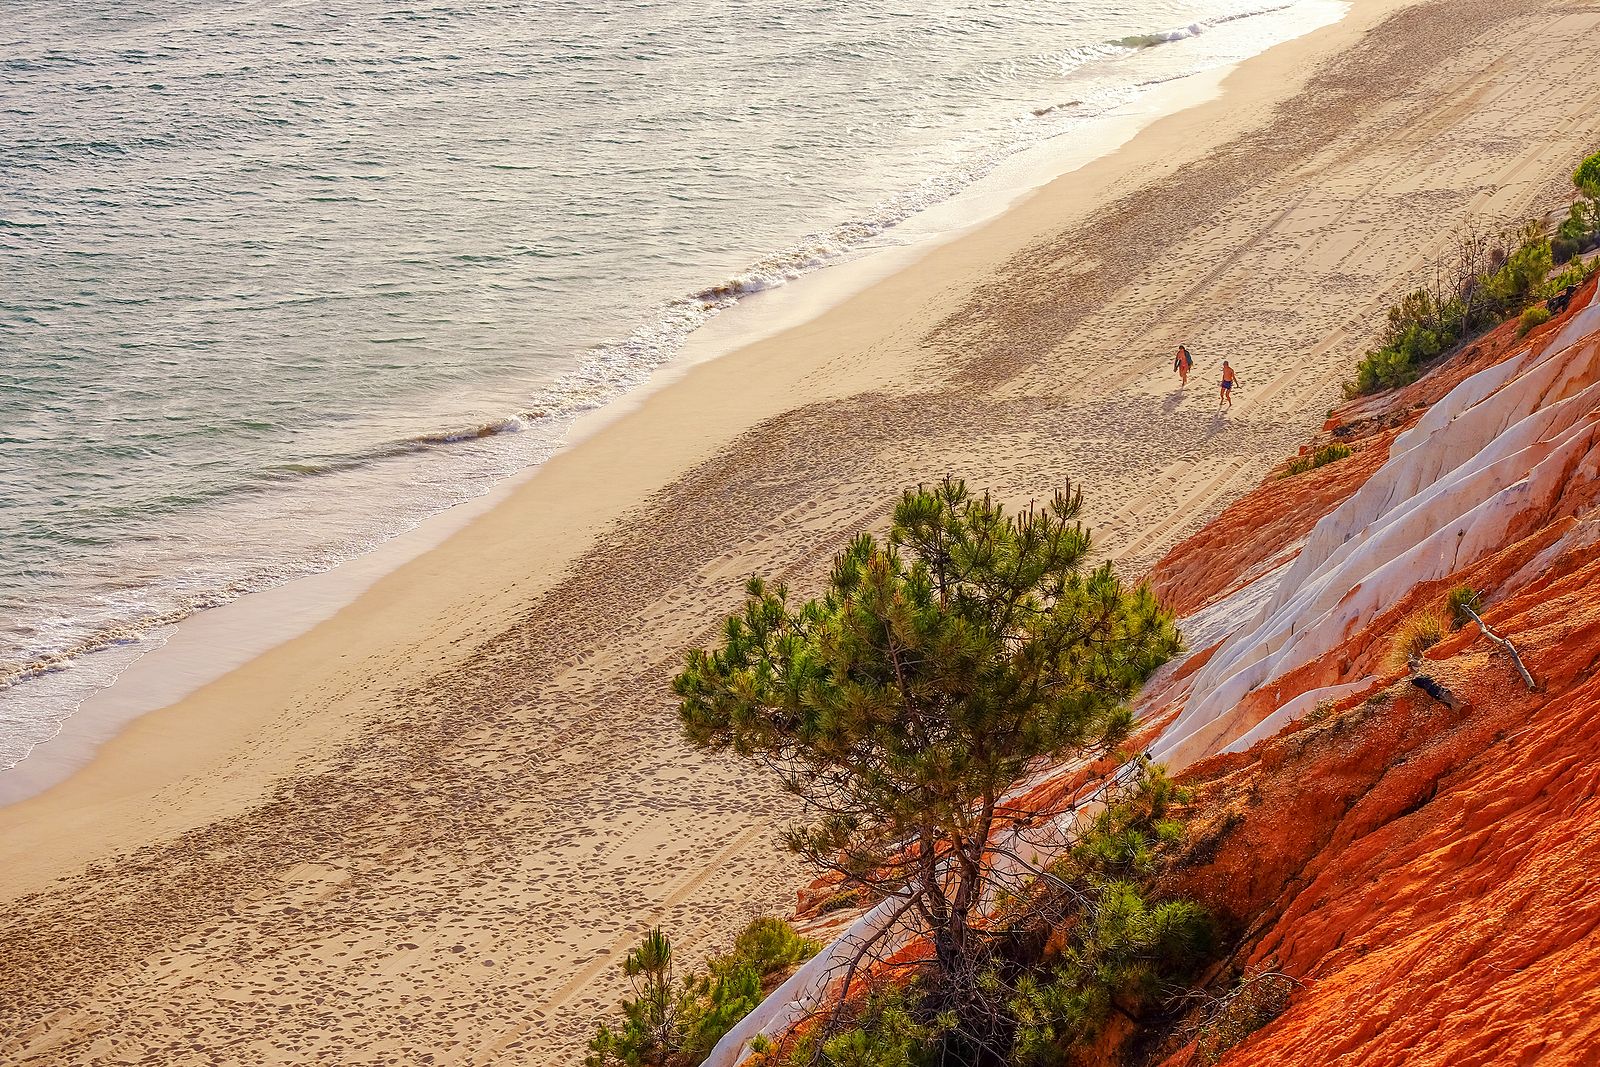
(311, 468)
(514, 424)
(1041, 112)
(128, 632)
(172, 603)
(1194, 29)
(1150, 40)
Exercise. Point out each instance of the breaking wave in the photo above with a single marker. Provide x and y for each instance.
(1193, 29)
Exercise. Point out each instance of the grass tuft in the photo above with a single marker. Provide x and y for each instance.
(1456, 604)
(1320, 458)
(1417, 633)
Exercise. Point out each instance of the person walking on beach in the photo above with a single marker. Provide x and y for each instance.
(1229, 380)
(1183, 363)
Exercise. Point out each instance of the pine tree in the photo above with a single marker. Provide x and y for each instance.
(942, 665)
(649, 1036)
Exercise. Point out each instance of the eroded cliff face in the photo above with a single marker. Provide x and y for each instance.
(1430, 871)
(1426, 869)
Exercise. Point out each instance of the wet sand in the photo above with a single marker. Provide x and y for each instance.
(426, 830)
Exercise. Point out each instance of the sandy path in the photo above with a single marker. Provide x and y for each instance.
(507, 803)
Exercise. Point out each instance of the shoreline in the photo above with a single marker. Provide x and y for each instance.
(476, 762)
(208, 644)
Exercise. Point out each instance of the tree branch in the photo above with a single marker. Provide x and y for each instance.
(1505, 643)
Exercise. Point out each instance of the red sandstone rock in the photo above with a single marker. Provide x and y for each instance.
(1431, 875)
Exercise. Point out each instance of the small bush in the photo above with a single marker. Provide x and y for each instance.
(1581, 229)
(1320, 458)
(1135, 823)
(1400, 362)
(1578, 229)
(1461, 598)
(1576, 274)
(885, 1031)
(1091, 939)
(1532, 319)
(1587, 176)
(1524, 273)
(672, 1023)
(1417, 633)
(1485, 281)
(771, 945)
(842, 898)
(1125, 951)
(1255, 1002)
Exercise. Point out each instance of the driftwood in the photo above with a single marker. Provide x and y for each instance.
(1504, 643)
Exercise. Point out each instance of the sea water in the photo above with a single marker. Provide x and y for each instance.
(279, 279)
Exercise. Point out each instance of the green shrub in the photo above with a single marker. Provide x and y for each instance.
(1532, 319)
(649, 1036)
(1587, 177)
(887, 1030)
(1460, 599)
(1524, 273)
(1127, 832)
(1576, 274)
(715, 1004)
(1254, 1002)
(844, 898)
(668, 1023)
(771, 945)
(1124, 951)
(1119, 946)
(1492, 279)
(1582, 226)
(1088, 939)
(1320, 458)
(1578, 229)
(1399, 362)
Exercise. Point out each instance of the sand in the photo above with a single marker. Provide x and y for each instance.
(425, 831)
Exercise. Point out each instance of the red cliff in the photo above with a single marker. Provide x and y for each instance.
(1428, 870)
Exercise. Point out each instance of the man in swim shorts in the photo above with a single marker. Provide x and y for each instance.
(1183, 363)
(1229, 380)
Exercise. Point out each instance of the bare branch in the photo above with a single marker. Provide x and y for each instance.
(1503, 642)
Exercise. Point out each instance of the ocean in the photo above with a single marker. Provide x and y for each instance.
(281, 279)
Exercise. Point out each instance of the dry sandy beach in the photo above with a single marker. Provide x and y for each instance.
(425, 831)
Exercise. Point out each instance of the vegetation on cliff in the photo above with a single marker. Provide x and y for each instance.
(1075, 960)
(1485, 280)
(945, 664)
(675, 1022)
(1320, 458)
